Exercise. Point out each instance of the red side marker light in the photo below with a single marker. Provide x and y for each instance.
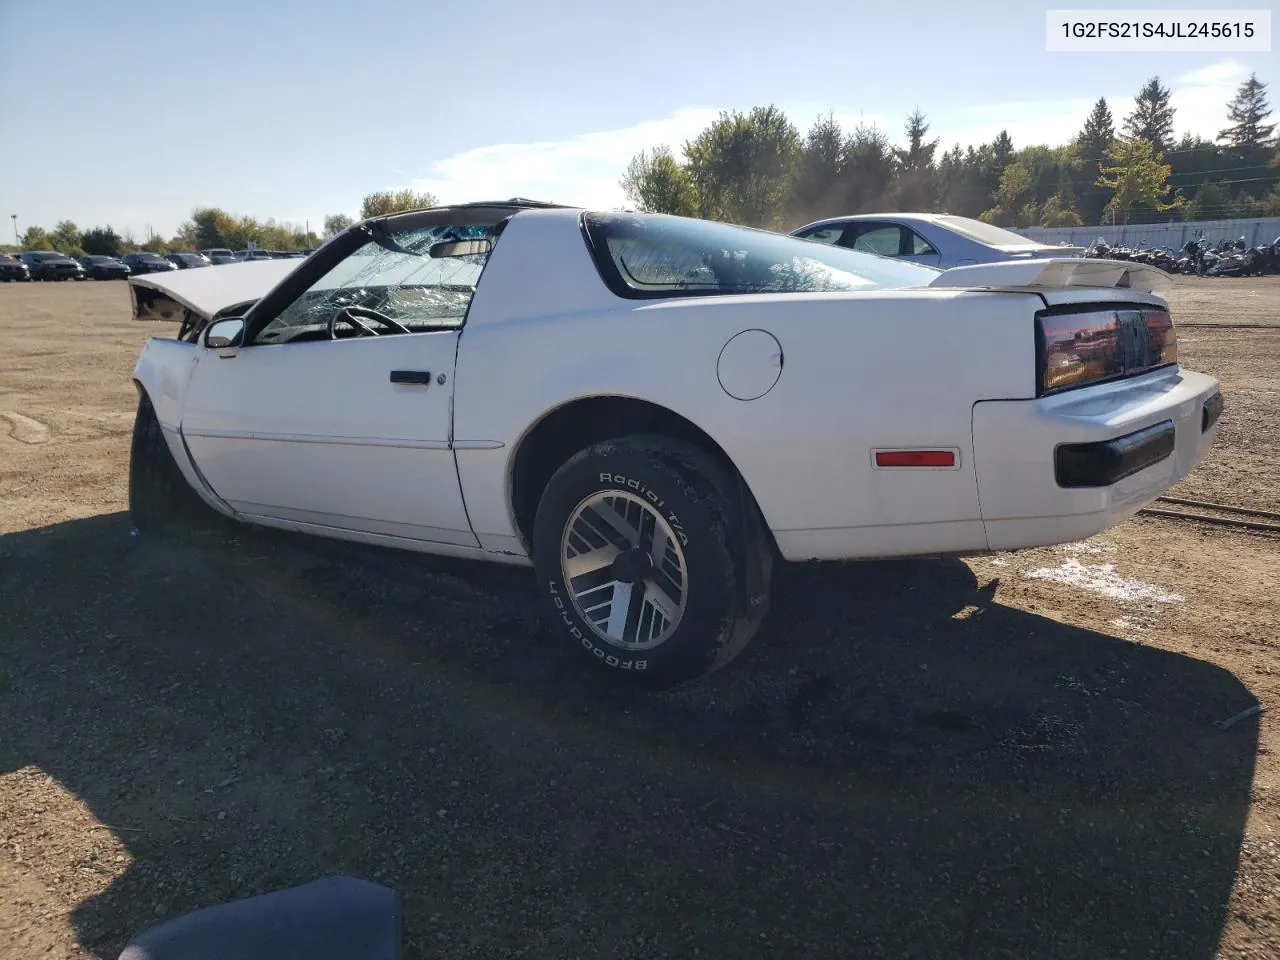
(915, 458)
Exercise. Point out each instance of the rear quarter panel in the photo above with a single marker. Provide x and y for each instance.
(859, 371)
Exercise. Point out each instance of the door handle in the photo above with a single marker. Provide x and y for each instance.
(411, 376)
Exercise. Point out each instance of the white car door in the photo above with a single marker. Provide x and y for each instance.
(336, 410)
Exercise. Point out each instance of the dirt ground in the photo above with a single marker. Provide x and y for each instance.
(1011, 756)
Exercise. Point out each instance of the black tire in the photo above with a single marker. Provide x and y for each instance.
(160, 499)
(721, 537)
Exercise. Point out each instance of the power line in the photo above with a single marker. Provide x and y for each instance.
(1192, 173)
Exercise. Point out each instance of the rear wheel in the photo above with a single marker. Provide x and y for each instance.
(647, 555)
(160, 499)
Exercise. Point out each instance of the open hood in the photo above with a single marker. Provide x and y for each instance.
(1055, 272)
(205, 291)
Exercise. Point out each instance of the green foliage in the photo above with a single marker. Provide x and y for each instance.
(335, 223)
(1099, 130)
(1015, 187)
(1136, 175)
(36, 238)
(868, 170)
(213, 227)
(103, 242)
(1210, 202)
(1269, 205)
(1002, 152)
(819, 170)
(384, 202)
(1152, 116)
(918, 155)
(1247, 111)
(741, 166)
(1058, 212)
(967, 180)
(656, 183)
(66, 238)
(996, 216)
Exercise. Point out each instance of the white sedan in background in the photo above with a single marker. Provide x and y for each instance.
(931, 239)
(651, 410)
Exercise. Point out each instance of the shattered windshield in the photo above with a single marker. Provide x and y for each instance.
(395, 276)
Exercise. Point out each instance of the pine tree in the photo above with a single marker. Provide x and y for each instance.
(1002, 146)
(1099, 130)
(1152, 117)
(1246, 112)
(1091, 147)
(918, 155)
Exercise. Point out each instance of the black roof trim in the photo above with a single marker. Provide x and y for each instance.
(514, 205)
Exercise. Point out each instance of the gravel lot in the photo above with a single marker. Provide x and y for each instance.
(1011, 756)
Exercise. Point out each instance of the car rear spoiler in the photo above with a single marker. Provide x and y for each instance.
(1055, 272)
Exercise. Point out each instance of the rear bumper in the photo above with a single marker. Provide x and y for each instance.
(1068, 466)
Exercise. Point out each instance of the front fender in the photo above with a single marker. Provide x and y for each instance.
(163, 370)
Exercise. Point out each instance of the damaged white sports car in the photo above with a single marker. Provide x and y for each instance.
(650, 409)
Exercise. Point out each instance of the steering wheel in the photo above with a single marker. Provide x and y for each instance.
(356, 317)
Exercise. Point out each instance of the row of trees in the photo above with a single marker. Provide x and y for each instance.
(755, 168)
(213, 227)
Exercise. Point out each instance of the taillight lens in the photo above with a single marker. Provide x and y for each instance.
(1090, 346)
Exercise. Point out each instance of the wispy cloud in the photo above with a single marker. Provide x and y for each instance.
(1200, 97)
(585, 169)
(581, 170)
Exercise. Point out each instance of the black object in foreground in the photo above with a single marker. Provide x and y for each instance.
(334, 918)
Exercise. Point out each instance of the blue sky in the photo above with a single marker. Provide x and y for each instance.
(134, 113)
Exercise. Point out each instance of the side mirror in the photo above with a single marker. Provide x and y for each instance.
(224, 335)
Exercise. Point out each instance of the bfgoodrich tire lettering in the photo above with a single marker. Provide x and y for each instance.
(679, 504)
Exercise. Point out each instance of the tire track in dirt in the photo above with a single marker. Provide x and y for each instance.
(24, 429)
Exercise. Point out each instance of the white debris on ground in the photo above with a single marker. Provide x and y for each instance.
(1103, 580)
(1124, 623)
(1090, 547)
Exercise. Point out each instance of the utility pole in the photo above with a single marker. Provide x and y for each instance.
(14, 218)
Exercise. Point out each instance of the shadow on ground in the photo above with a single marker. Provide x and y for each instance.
(874, 777)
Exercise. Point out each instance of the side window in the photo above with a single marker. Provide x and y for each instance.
(918, 245)
(422, 279)
(825, 234)
(884, 240)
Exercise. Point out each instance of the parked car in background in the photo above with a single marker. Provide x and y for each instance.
(782, 400)
(144, 262)
(11, 268)
(218, 255)
(50, 265)
(930, 239)
(98, 267)
(254, 255)
(189, 261)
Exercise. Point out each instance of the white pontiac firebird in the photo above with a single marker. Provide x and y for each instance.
(649, 410)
